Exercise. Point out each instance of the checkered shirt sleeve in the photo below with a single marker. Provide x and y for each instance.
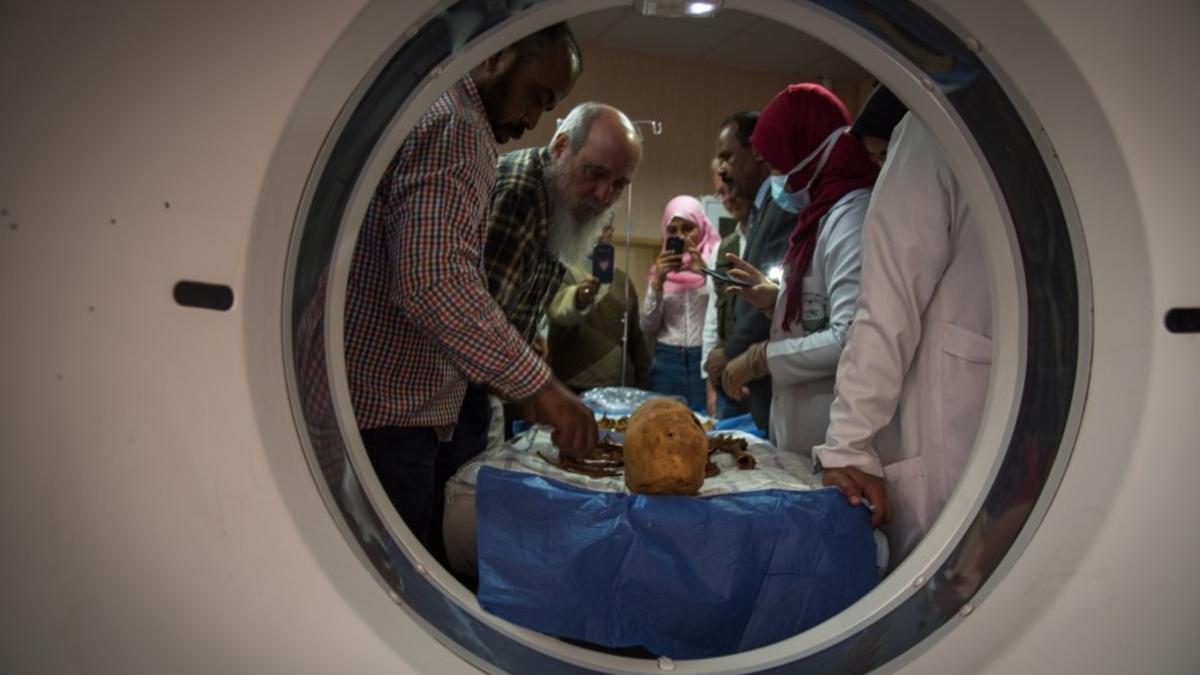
(521, 272)
(420, 322)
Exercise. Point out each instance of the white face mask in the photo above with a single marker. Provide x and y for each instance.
(795, 202)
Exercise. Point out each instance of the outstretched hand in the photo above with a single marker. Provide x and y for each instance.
(762, 291)
(574, 425)
(860, 486)
(747, 366)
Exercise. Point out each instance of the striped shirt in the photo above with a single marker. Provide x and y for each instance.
(521, 271)
(420, 322)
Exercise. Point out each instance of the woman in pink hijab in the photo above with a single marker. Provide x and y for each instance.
(676, 299)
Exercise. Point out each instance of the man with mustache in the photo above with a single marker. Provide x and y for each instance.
(768, 228)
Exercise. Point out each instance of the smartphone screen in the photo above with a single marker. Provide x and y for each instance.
(675, 244)
(602, 262)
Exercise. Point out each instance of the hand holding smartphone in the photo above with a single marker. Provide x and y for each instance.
(721, 276)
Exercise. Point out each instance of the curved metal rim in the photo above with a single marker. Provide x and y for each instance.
(1041, 433)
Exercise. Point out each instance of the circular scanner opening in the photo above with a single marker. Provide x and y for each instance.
(1042, 339)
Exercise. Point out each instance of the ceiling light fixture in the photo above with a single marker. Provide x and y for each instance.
(676, 8)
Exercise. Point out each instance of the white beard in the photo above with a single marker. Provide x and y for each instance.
(568, 238)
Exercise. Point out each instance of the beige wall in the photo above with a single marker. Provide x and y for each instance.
(690, 99)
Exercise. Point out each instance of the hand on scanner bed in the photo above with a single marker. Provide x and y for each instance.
(575, 432)
(860, 486)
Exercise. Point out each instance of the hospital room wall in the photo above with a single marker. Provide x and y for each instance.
(690, 98)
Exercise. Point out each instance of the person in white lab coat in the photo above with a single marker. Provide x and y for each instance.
(824, 176)
(913, 376)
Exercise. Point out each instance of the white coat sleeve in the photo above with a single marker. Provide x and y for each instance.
(906, 247)
(708, 340)
(815, 356)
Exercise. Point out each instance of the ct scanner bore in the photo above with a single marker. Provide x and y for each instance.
(276, 496)
(917, 610)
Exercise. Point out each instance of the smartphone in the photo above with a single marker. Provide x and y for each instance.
(721, 276)
(675, 245)
(602, 262)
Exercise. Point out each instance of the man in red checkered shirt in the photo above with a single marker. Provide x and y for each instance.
(420, 323)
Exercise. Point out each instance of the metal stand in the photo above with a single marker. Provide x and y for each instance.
(656, 130)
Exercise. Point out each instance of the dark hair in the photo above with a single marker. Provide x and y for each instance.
(532, 45)
(880, 114)
(743, 122)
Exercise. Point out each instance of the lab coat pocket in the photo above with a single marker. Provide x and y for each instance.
(905, 471)
(966, 344)
(965, 369)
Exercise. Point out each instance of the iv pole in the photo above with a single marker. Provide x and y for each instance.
(656, 130)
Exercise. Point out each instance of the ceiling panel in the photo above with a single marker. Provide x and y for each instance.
(591, 27)
(836, 66)
(666, 37)
(770, 28)
(727, 20)
(752, 52)
(731, 38)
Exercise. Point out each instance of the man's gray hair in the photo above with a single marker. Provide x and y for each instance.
(578, 124)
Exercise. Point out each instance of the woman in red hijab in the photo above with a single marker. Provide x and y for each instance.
(824, 176)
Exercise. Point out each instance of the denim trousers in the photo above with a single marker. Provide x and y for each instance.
(676, 372)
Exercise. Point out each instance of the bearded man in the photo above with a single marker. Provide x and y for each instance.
(549, 205)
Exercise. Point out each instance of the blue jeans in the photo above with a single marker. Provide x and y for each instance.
(413, 465)
(676, 372)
